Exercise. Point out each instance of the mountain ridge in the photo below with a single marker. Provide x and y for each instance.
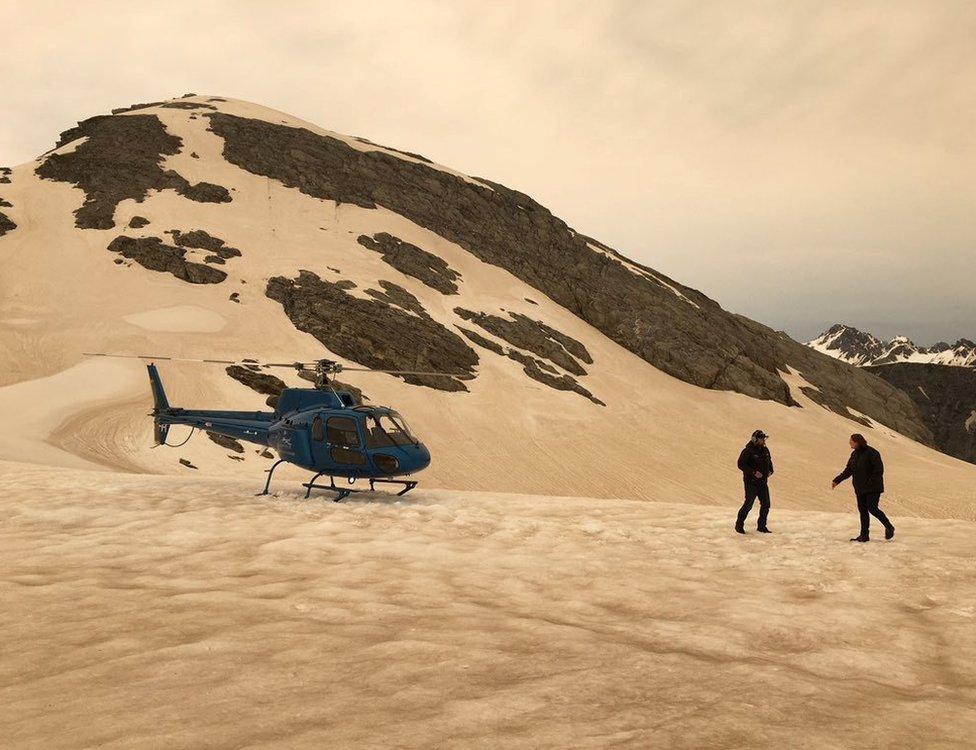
(859, 348)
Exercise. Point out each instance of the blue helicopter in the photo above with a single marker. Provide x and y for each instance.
(319, 429)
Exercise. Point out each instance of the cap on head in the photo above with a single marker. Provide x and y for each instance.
(759, 435)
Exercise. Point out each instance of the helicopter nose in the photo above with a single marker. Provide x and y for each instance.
(419, 456)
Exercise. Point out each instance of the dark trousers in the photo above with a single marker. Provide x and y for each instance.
(754, 490)
(867, 506)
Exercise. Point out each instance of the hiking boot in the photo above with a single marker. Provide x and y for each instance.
(764, 530)
(889, 532)
(860, 539)
(739, 529)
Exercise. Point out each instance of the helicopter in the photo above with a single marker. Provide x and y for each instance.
(319, 429)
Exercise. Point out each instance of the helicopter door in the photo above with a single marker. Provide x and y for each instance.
(345, 446)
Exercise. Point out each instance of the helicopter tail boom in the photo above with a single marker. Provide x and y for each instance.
(160, 405)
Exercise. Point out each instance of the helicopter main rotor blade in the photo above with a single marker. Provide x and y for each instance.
(163, 358)
(406, 372)
(335, 367)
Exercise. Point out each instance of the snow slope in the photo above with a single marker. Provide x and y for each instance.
(658, 437)
(171, 612)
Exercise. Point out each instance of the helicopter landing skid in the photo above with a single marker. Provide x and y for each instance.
(267, 484)
(341, 493)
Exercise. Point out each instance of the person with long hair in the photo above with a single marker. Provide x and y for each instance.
(866, 471)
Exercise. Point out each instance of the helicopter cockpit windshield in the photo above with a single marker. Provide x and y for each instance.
(384, 429)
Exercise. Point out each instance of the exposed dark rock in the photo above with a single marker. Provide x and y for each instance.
(121, 159)
(152, 253)
(262, 382)
(675, 328)
(5, 204)
(226, 442)
(216, 99)
(186, 463)
(946, 396)
(235, 297)
(194, 155)
(395, 294)
(215, 259)
(6, 224)
(119, 261)
(187, 105)
(266, 454)
(134, 107)
(817, 397)
(531, 301)
(232, 457)
(413, 261)
(395, 150)
(373, 333)
(481, 341)
(534, 336)
(534, 369)
(200, 240)
(138, 222)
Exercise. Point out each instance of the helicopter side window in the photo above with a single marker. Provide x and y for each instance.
(318, 431)
(384, 430)
(347, 456)
(377, 435)
(342, 431)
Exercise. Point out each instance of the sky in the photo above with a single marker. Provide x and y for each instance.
(803, 163)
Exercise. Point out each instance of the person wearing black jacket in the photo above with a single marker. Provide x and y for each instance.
(866, 471)
(756, 465)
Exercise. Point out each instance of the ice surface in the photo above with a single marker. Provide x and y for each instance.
(168, 612)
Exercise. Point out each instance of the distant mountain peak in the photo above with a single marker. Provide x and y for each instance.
(856, 347)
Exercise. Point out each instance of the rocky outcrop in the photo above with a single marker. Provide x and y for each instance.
(675, 328)
(187, 105)
(534, 336)
(6, 224)
(154, 254)
(946, 397)
(138, 222)
(394, 294)
(5, 173)
(536, 369)
(394, 150)
(373, 332)
(198, 239)
(121, 159)
(413, 261)
(135, 107)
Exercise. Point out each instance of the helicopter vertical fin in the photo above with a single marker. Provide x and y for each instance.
(160, 404)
